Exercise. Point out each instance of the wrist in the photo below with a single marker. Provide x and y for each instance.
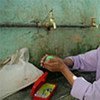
(69, 62)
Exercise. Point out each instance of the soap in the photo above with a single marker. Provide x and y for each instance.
(49, 57)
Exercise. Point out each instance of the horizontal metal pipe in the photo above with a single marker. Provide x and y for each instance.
(74, 26)
(19, 25)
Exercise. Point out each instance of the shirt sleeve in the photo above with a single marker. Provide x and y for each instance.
(87, 61)
(84, 90)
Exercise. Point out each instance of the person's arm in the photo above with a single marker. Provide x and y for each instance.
(84, 90)
(68, 75)
(81, 88)
(84, 62)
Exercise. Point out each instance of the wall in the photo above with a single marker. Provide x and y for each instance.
(62, 41)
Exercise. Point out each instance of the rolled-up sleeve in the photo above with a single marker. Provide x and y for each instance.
(87, 61)
(84, 90)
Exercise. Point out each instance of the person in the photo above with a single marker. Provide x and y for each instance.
(81, 88)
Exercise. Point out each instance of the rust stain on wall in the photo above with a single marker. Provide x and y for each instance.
(76, 38)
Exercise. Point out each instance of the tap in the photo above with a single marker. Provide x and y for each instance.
(93, 22)
(51, 19)
(53, 23)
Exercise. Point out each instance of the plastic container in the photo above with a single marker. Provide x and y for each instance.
(42, 90)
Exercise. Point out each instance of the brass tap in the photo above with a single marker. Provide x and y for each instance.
(51, 19)
(93, 22)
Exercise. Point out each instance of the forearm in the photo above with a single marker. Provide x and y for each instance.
(68, 75)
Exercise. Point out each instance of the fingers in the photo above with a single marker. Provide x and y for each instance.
(50, 61)
(48, 66)
(47, 63)
(43, 59)
(53, 64)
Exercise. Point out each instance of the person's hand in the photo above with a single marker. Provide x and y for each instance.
(43, 60)
(55, 64)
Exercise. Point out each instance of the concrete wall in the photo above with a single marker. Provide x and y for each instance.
(62, 41)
